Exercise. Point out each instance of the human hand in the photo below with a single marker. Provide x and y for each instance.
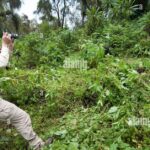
(7, 41)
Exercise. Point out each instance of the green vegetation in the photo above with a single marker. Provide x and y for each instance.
(83, 109)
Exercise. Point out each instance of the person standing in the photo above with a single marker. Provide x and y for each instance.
(10, 112)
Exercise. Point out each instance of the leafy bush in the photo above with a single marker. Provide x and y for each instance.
(95, 20)
(142, 48)
(93, 53)
(51, 87)
(119, 42)
(67, 39)
(28, 51)
(36, 49)
(144, 22)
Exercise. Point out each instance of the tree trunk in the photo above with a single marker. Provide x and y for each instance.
(64, 13)
(84, 10)
(58, 14)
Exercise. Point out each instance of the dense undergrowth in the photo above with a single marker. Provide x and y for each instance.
(83, 109)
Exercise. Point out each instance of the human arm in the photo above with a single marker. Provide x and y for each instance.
(7, 46)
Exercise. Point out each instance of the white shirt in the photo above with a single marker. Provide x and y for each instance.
(4, 57)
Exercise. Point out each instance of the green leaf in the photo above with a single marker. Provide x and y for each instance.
(113, 109)
(113, 146)
(73, 146)
(60, 133)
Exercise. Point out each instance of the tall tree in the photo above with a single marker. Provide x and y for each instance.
(114, 8)
(44, 7)
(63, 13)
(61, 8)
(7, 13)
(54, 10)
(87, 5)
(84, 7)
(14, 4)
